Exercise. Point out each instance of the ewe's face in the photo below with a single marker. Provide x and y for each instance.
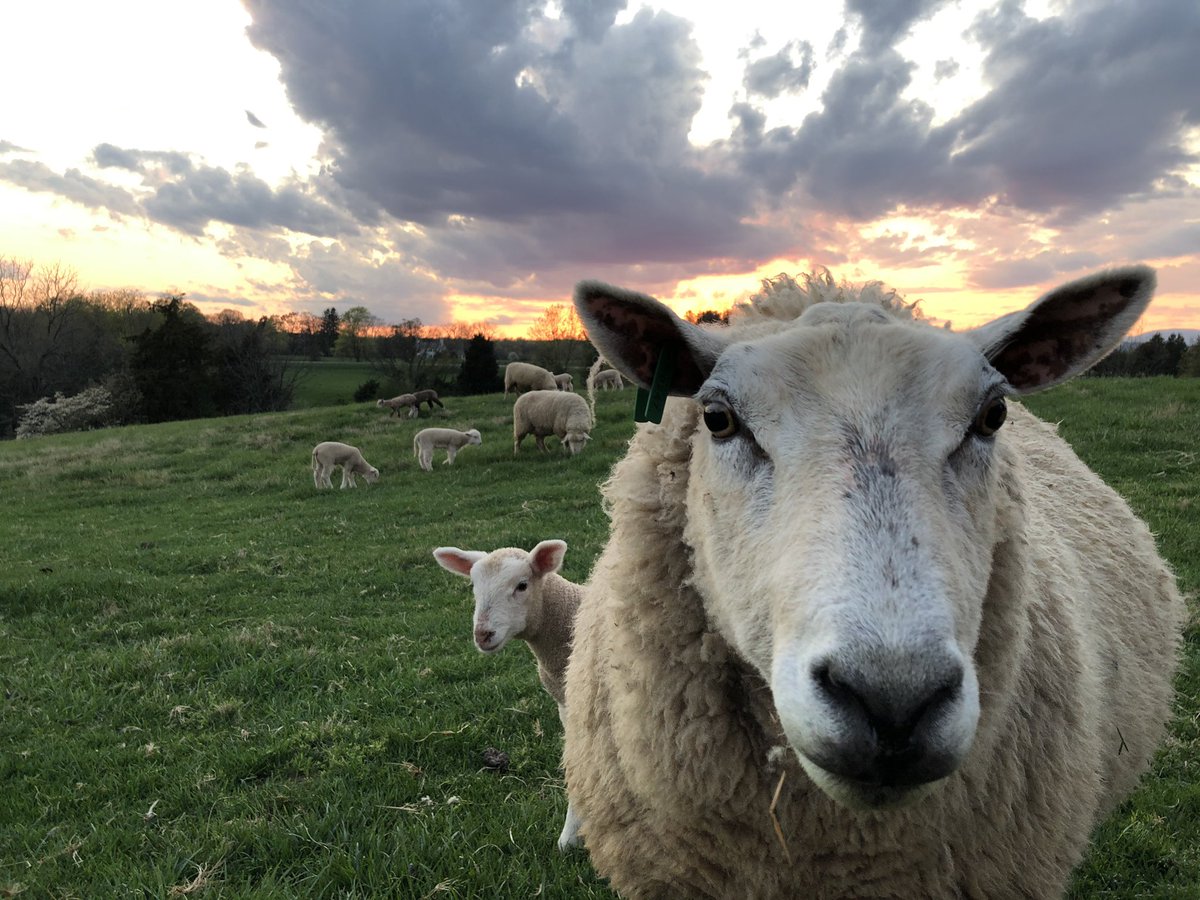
(575, 441)
(842, 507)
(503, 586)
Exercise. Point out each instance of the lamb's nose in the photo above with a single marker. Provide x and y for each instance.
(484, 637)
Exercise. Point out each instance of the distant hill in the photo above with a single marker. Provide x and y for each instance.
(1191, 335)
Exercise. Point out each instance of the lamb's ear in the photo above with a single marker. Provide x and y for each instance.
(631, 330)
(1068, 330)
(457, 561)
(547, 557)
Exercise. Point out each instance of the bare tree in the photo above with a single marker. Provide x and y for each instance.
(559, 327)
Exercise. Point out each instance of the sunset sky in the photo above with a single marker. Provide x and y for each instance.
(473, 159)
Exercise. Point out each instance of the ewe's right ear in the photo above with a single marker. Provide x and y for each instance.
(457, 561)
(547, 556)
(631, 330)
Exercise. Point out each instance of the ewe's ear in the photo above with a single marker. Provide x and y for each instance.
(457, 561)
(630, 330)
(1068, 330)
(547, 557)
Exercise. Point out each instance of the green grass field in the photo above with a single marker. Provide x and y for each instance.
(218, 681)
(330, 382)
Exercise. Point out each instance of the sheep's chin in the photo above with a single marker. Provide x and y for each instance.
(862, 796)
(493, 647)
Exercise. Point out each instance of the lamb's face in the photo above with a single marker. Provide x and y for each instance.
(842, 506)
(504, 585)
(371, 474)
(474, 437)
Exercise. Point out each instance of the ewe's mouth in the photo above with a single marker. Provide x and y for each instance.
(860, 794)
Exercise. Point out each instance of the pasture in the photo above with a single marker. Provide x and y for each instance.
(219, 681)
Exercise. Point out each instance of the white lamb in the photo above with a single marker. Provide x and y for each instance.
(402, 401)
(523, 376)
(327, 455)
(543, 413)
(564, 382)
(520, 594)
(451, 440)
(854, 634)
(607, 380)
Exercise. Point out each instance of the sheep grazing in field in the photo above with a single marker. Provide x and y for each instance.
(428, 396)
(402, 401)
(564, 382)
(543, 413)
(427, 440)
(523, 376)
(607, 380)
(520, 594)
(327, 455)
(864, 626)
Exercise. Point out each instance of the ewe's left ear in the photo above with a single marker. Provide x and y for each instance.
(547, 556)
(630, 330)
(1068, 330)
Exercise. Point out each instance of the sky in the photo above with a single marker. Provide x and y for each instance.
(472, 159)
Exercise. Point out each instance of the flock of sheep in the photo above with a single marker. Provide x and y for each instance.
(863, 627)
(547, 407)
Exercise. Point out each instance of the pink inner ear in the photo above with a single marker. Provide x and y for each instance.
(547, 557)
(454, 561)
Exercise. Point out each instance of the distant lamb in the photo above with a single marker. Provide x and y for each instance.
(523, 376)
(427, 440)
(863, 626)
(543, 413)
(564, 382)
(521, 595)
(327, 455)
(429, 396)
(402, 401)
(608, 379)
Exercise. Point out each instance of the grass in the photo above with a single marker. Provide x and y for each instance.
(218, 681)
(330, 382)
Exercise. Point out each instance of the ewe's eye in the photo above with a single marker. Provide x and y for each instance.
(720, 420)
(990, 417)
(522, 585)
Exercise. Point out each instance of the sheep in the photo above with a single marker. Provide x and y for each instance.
(520, 594)
(564, 382)
(853, 634)
(429, 396)
(543, 413)
(427, 440)
(523, 376)
(402, 401)
(329, 454)
(608, 380)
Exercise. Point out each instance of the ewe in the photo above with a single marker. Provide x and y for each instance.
(327, 455)
(523, 376)
(854, 634)
(451, 440)
(543, 413)
(521, 595)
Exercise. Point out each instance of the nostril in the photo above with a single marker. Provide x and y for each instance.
(483, 636)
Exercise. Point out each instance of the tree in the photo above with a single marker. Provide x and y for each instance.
(250, 374)
(1189, 365)
(331, 327)
(405, 355)
(708, 317)
(479, 373)
(357, 322)
(559, 327)
(170, 364)
(464, 331)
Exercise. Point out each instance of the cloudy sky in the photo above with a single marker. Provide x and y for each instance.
(472, 159)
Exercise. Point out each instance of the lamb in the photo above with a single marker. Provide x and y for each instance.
(863, 627)
(523, 376)
(542, 413)
(608, 380)
(429, 396)
(402, 401)
(564, 382)
(427, 440)
(521, 595)
(329, 454)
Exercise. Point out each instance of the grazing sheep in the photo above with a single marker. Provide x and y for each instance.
(521, 595)
(608, 380)
(402, 401)
(523, 376)
(429, 396)
(427, 440)
(564, 382)
(542, 413)
(329, 454)
(854, 634)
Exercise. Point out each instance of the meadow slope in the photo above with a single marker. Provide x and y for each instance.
(217, 680)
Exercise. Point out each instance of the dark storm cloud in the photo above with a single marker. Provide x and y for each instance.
(107, 156)
(885, 22)
(591, 18)
(9, 147)
(787, 71)
(1032, 270)
(254, 120)
(72, 184)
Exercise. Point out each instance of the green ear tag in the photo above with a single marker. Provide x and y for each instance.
(649, 404)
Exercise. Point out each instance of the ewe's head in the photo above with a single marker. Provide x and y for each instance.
(843, 500)
(575, 441)
(507, 585)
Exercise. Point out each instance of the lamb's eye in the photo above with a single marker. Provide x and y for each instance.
(990, 417)
(522, 585)
(720, 420)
